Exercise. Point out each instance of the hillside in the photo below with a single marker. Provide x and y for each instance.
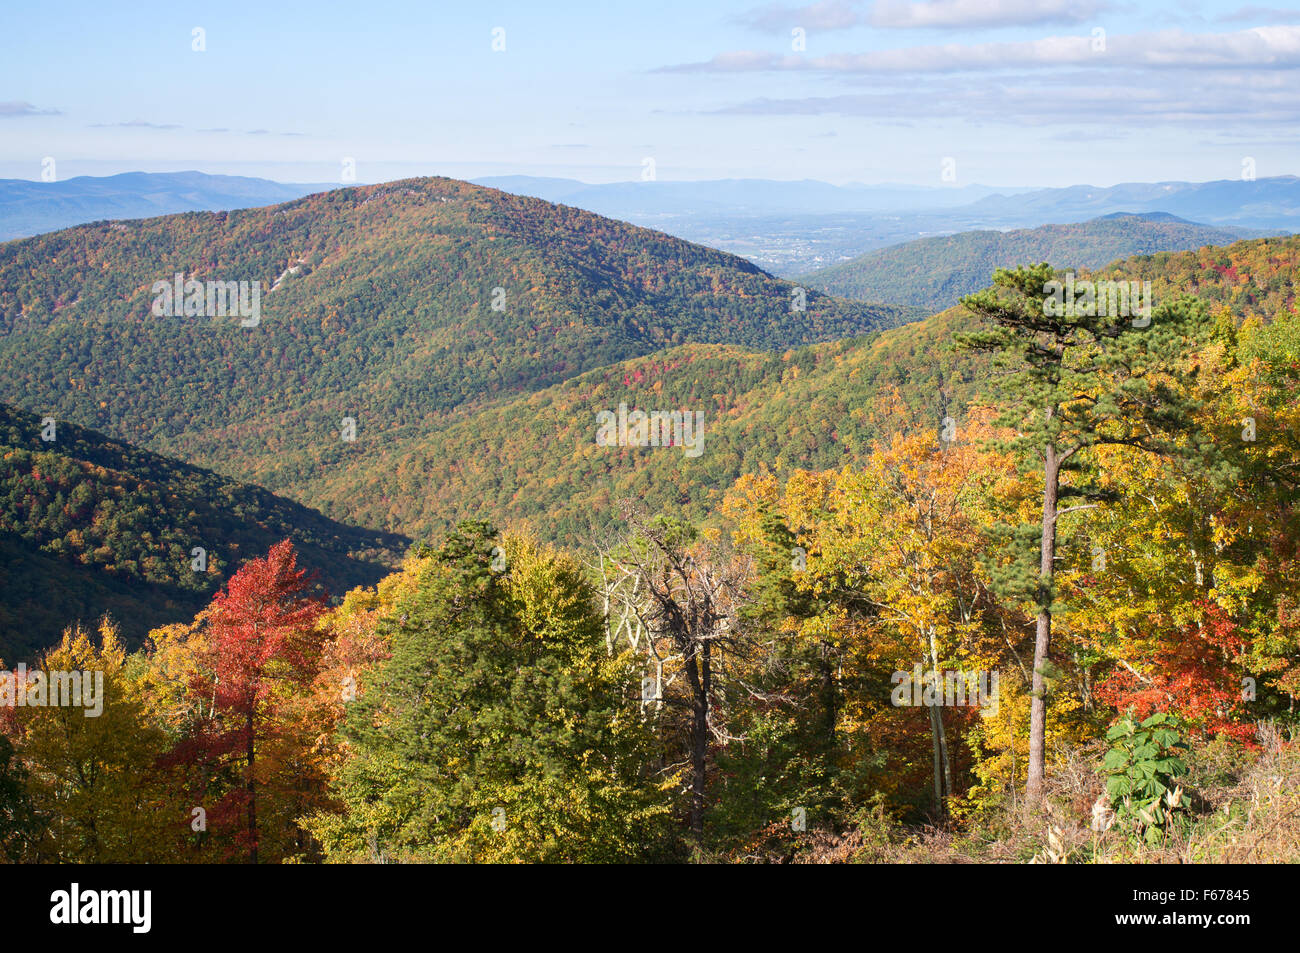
(536, 457)
(935, 272)
(1258, 278)
(89, 524)
(438, 441)
(379, 305)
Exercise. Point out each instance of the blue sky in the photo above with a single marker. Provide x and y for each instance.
(1014, 92)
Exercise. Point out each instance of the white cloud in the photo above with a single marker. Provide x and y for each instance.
(1270, 47)
(952, 14)
(825, 15)
(1222, 101)
(1274, 14)
(829, 15)
(134, 124)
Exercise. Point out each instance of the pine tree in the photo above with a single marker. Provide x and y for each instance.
(1076, 379)
(498, 730)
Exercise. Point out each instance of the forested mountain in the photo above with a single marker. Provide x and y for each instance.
(391, 305)
(536, 457)
(89, 524)
(818, 407)
(709, 667)
(1253, 279)
(935, 272)
(424, 459)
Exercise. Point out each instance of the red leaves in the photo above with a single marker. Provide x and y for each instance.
(1191, 675)
(263, 639)
(261, 627)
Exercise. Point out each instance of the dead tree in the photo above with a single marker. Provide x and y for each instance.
(676, 596)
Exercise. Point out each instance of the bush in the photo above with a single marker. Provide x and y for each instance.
(1142, 769)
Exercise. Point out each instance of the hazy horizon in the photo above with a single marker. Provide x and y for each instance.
(181, 167)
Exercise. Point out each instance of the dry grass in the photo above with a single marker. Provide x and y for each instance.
(1244, 808)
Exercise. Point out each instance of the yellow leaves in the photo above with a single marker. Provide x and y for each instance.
(172, 657)
(77, 651)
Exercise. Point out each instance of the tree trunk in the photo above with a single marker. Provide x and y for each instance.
(1043, 631)
(937, 722)
(828, 697)
(938, 760)
(252, 796)
(698, 676)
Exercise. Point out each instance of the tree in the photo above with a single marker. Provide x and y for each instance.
(793, 754)
(262, 644)
(19, 825)
(498, 730)
(90, 770)
(683, 594)
(1078, 376)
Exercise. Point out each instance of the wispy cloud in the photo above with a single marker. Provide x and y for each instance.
(1270, 14)
(964, 14)
(17, 109)
(1222, 101)
(827, 15)
(135, 124)
(1271, 47)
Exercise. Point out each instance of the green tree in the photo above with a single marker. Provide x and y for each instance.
(18, 821)
(1078, 375)
(499, 729)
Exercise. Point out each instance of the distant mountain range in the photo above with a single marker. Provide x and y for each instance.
(1257, 203)
(632, 200)
(1270, 203)
(786, 227)
(791, 228)
(30, 208)
(934, 273)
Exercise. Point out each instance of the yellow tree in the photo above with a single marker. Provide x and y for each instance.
(92, 767)
(894, 549)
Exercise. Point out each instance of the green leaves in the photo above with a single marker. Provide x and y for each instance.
(499, 730)
(1142, 768)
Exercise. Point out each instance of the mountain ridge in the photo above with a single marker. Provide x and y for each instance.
(29, 208)
(935, 272)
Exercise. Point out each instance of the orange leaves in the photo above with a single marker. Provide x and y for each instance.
(1189, 673)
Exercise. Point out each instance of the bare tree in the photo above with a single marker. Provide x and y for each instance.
(676, 596)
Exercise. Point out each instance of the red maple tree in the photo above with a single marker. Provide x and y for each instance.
(263, 635)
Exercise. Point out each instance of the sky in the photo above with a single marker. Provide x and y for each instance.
(937, 92)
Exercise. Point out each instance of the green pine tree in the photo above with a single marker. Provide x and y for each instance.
(1075, 379)
(499, 729)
